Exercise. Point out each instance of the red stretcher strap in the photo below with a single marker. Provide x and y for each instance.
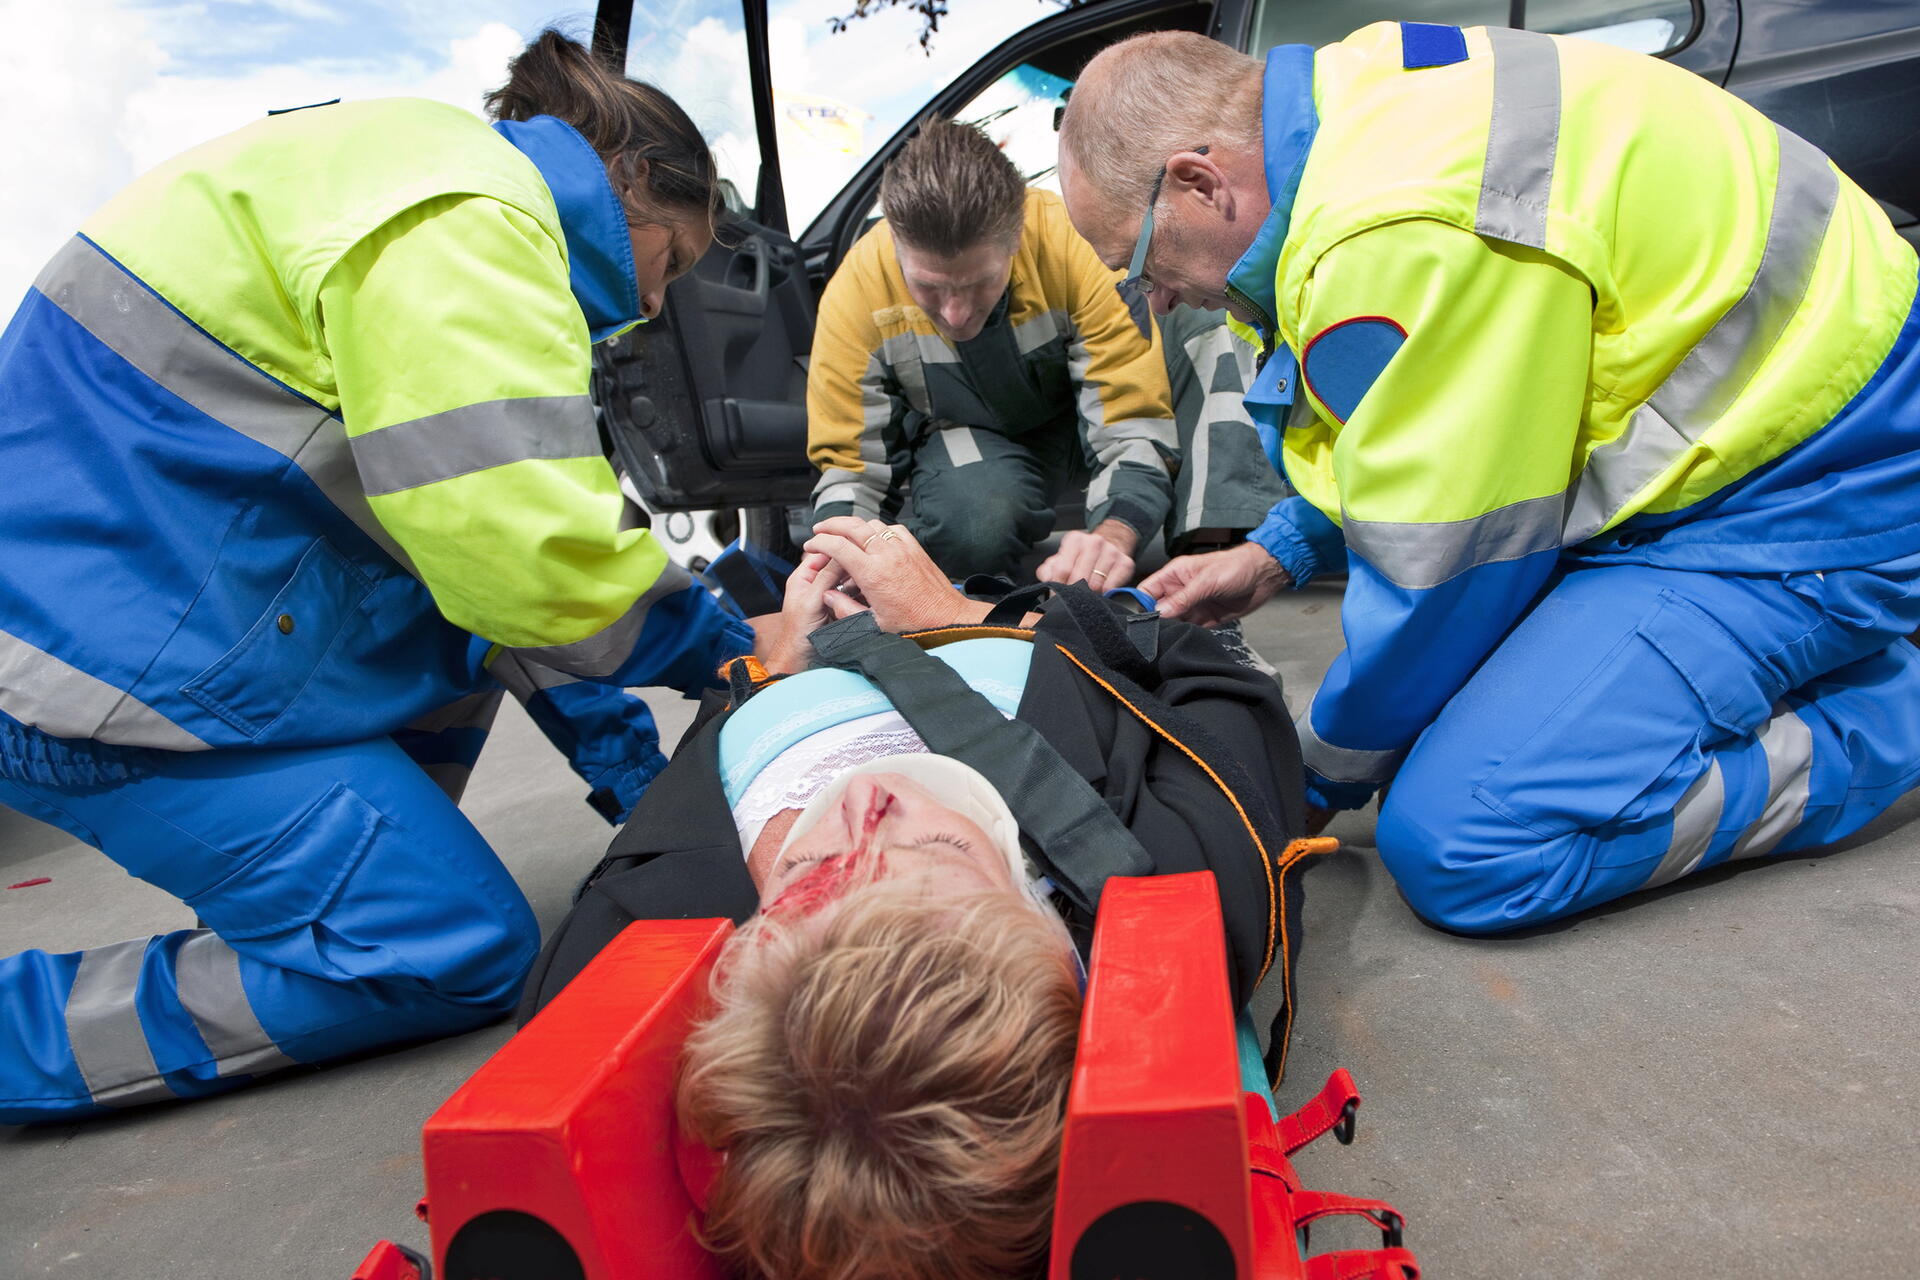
(1363, 1264)
(1309, 1206)
(1331, 1109)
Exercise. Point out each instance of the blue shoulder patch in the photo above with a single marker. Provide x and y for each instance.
(1344, 360)
(1428, 44)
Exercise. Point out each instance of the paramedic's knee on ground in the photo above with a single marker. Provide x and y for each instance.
(347, 903)
(1641, 724)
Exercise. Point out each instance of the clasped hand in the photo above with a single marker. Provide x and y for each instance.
(882, 565)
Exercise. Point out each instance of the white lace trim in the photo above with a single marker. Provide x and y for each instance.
(805, 769)
(748, 755)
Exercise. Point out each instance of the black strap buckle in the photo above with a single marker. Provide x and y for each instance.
(1349, 1119)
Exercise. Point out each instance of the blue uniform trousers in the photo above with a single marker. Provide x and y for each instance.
(1641, 723)
(347, 905)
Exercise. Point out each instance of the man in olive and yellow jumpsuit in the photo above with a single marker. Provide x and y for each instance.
(972, 349)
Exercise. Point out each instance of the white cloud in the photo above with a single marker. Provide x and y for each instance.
(91, 104)
(175, 112)
(66, 74)
(92, 98)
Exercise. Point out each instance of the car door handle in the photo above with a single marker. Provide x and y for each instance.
(749, 269)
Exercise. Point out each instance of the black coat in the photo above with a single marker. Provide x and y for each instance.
(1194, 752)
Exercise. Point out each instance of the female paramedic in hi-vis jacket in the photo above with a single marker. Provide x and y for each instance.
(303, 471)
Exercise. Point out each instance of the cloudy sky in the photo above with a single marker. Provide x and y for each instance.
(97, 91)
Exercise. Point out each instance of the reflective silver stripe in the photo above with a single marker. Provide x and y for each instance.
(1695, 819)
(1193, 469)
(877, 407)
(477, 437)
(1788, 744)
(1341, 764)
(1522, 137)
(837, 484)
(103, 1028)
(1712, 375)
(926, 348)
(1619, 469)
(130, 320)
(206, 973)
(1037, 331)
(1418, 556)
(1208, 353)
(39, 689)
(603, 652)
(963, 448)
(1138, 452)
(1224, 407)
(1093, 413)
(905, 356)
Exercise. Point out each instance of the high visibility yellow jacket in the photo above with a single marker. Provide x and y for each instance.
(1552, 298)
(1065, 351)
(303, 407)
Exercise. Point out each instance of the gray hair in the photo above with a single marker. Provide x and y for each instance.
(1151, 96)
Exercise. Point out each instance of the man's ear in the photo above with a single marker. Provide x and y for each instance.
(1196, 173)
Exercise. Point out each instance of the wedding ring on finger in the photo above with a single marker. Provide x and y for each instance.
(1100, 573)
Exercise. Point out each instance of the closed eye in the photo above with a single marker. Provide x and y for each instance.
(952, 841)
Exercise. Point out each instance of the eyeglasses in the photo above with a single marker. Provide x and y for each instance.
(1134, 289)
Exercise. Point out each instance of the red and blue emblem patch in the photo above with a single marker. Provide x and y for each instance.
(1344, 360)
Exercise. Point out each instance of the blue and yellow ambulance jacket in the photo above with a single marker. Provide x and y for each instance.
(1552, 298)
(301, 413)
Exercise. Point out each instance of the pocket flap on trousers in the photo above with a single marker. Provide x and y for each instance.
(288, 884)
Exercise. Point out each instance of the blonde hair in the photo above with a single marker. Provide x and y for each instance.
(1149, 97)
(887, 1080)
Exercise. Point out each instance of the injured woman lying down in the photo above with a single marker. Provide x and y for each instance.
(909, 804)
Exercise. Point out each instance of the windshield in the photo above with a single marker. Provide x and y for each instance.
(837, 95)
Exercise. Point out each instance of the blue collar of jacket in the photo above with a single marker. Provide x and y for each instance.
(1288, 122)
(599, 245)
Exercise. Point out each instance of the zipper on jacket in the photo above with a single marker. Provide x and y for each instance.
(1269, 331)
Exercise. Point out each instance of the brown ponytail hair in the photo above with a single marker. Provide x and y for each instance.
(655, 157)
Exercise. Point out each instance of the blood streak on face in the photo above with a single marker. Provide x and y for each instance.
(865, 861)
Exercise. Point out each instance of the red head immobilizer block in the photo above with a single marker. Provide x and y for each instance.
(564, 1142)
(1155, 1157)
(559, 1159)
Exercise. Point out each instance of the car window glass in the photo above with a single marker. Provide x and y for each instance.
(1653, 26)
(1315, 23)
(1645, 26)
(839, 96)
(1018, 111)
(696, 52)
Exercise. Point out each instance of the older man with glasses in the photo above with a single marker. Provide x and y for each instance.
(1611, 385)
